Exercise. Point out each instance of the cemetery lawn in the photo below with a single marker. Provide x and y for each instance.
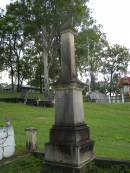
(35, 165)
(18, 95)
(109, 126)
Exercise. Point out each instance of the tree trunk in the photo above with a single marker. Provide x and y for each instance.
(18, 74)
(92, 85)
(18, 77)
(46, 82)
(21, 82)
(45, 62)
(41, 84)
(12, 78)
(111, 84)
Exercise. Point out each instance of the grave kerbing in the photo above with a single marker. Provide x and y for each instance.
(70, 147)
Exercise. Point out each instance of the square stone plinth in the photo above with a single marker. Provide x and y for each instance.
(68, 106)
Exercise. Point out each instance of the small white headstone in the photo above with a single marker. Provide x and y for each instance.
(7, 141)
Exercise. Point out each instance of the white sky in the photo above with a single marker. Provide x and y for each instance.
(113, 15)
(3, 3)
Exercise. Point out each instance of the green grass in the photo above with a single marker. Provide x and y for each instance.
(34, 165)
(109, 126)
(26, 165)
(10, 94)
(33, 95)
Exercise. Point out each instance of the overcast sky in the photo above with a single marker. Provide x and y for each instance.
(3, 3)
(113, 15)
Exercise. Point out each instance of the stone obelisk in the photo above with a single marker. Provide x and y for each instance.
(70, 147)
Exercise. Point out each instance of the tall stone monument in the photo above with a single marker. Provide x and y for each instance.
(70, 147)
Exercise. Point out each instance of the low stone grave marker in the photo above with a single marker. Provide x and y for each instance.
(31, 139)
(7, 141)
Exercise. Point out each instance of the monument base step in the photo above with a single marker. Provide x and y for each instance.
(55, 167)
(69, 154)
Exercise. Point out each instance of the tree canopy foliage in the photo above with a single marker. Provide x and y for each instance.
(30, 43)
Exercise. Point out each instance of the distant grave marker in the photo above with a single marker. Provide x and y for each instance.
(31, 139)
(7, 141)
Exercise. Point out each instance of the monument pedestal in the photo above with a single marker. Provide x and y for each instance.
(70, 147)
(70, 144)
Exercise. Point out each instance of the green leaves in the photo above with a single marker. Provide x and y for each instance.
(114, 62)
(116, 58)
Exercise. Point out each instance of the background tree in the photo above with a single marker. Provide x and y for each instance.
(30, 44)
(90, 42)
(42, 24)
(14, 40)
(114, 62)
